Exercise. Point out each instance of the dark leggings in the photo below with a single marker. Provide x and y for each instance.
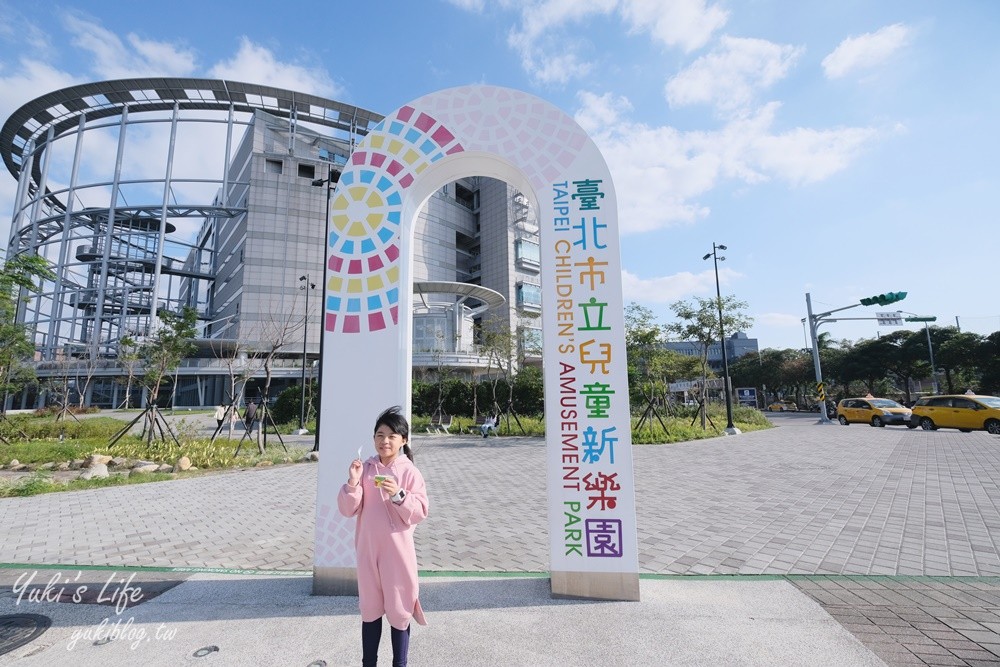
(371, 635)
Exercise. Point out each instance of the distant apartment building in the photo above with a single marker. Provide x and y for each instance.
(737, 345)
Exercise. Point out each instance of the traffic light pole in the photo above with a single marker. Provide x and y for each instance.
(820, 318)
(814, 322)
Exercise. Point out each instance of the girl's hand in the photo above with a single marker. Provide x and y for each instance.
(390, 486)
(354, 472)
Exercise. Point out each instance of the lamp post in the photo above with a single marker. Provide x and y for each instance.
(308, 286)
(730, 427)
(332, 176)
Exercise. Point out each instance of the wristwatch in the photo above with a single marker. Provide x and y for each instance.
(398, 498)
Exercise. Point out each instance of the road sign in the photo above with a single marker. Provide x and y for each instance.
(821, 391)
(747, 396)
(889, 319)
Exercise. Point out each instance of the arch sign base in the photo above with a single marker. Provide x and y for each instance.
(530, 144)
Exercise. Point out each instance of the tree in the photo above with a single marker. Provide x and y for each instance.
(957, 356)
(20, 273)
(902, 358)
(128, 358)
(162, 353)
(650, 364)
(700, 323)
(500, 345)
(866, 361)
(239, 370)
(989, 355)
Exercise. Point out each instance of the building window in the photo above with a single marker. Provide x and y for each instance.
(273, 166)
(430, 333)
(529, 296)
(466, 197)
(527, 253)
(531, 342)
(307, 171)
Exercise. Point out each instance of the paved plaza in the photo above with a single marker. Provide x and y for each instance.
(889, 531)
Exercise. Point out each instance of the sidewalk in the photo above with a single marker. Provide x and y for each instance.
(262, 620)
(825, 545)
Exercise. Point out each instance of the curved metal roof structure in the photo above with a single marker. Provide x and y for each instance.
(490, 298)
(60, 110)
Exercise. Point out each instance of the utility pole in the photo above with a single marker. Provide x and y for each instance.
(930, 346)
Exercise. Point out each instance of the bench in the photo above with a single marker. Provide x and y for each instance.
(440, 423)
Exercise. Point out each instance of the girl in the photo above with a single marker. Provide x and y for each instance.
(387, 495)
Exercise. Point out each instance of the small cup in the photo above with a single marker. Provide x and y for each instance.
(379, 479)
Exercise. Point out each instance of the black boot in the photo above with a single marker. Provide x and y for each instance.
(371, 635)
(400, 646)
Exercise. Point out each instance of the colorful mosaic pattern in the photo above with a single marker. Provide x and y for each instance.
(363, 291)
(364, 244)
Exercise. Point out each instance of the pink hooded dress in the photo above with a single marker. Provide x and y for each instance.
(383, 537)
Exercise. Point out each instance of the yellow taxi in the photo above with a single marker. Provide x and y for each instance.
(782, 406)
(871, 410)
(966, 412)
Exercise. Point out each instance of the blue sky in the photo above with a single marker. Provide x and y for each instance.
(839, 148)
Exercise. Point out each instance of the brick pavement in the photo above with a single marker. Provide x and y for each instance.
(798, 499)
(916, 620)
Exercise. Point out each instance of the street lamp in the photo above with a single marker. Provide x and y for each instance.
(308, 286)
(332, 176)
(730, 428)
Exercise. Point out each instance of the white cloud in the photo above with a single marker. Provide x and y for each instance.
(866, 51)
(801, 155)
(256, 64)
(687, 24)
(469, 5)
(551, 53)
(668, 289)
(113, 59)
(730, 77)
(26, 81)
(661, 172)
(655, 173)
(547, 54)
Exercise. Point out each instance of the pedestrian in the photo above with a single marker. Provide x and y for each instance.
(387, 494)
(489, 425)
(220, 415)
(250, 415)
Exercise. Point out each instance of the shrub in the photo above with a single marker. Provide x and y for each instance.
(36, 428)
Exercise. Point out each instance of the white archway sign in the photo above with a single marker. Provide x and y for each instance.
(527, 142)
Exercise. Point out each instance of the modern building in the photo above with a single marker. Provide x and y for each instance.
(737, 345)
(151, 195)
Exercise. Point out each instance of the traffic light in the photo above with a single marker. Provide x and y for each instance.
(883, 299)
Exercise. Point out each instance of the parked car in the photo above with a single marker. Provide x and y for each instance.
(966, 412)
(870, 410)
(782, 406)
